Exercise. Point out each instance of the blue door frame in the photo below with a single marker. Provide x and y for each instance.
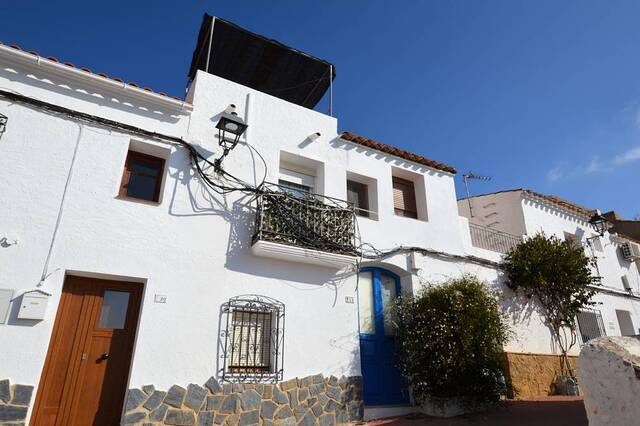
(382, 382)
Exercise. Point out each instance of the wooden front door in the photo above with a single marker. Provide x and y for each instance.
(85, 375)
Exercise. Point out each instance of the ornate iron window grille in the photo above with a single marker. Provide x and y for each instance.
(252, 339)
(305, 220)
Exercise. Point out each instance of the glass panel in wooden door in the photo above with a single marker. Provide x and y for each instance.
(388, 295)
(366, 305)
(107, 356)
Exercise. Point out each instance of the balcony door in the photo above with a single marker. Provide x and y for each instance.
(84, 380)
(382, 382)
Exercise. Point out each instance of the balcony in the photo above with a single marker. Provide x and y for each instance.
(308, 228)
(491, 239)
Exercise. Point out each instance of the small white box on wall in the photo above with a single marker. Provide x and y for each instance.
(33, 305)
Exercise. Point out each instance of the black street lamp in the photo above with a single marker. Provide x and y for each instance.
(598, 223)
(230, 128)
(3, 123)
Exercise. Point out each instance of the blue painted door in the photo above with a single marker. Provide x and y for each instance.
(382, 381)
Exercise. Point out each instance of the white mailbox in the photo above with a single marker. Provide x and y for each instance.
(33, 305)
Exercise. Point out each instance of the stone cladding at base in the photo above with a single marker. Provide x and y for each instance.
(14, 403)
(309, 401)
(533, 374)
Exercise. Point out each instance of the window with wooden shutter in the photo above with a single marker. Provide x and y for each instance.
(404, 198)
(358, 197)
(250, 341)
(142, 177)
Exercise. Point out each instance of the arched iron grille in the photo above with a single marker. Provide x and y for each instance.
(252, 339)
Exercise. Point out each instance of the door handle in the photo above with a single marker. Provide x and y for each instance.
(103, 357)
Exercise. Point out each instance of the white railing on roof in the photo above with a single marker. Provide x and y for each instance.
(491, 239)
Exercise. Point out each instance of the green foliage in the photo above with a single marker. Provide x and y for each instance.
(450, 342)
(558, 274)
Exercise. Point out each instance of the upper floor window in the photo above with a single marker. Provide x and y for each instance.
(404, 198)
(295, 189)
(297, 183)
(590, 325)
(142, 177)
(573, 240)
(625, 323)
(358, 197)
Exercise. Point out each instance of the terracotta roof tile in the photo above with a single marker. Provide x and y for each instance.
(85, 69)
(392, 150)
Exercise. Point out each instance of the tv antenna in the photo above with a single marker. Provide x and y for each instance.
(472, 176)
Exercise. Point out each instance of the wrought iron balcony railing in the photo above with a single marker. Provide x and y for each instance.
(491, 239)
(305, 220)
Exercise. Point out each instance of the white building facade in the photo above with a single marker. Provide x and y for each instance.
(123, 269)
(522, 212)
(169, 262)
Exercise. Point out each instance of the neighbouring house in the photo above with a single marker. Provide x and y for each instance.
(624, 226)
(226, 257)
(497, 219)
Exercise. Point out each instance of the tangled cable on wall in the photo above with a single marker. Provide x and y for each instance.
(312, 221)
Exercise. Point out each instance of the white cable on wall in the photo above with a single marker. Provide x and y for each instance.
(45, 268)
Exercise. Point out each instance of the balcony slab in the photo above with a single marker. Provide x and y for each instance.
(302, 255)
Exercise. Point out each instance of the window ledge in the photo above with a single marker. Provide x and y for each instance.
(137, 200)
(410, 218)
(299, 254)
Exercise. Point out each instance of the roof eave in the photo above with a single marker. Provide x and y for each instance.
(435, 165)
(39, 62)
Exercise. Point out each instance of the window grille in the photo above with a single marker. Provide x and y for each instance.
(252, 339)
(590, 325)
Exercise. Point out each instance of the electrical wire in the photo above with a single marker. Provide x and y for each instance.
(345, 238)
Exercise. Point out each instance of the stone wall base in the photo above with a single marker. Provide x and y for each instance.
(533, 374)
(14, 403)
(310, 401)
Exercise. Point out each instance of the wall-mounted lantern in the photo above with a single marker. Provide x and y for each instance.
(3, 123)
(230, 128)
(598, 223)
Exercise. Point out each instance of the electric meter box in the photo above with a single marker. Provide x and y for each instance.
(33, 306)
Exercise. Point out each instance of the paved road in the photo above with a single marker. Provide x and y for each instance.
(552, 411)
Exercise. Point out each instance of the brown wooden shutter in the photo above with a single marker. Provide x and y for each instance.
(358, 197)
(404, 197)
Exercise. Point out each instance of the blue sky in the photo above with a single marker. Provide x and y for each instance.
(537, 94)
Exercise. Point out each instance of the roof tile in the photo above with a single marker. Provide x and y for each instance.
(392, 150)
(85, 69)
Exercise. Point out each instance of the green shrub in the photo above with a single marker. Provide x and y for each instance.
(450, 342)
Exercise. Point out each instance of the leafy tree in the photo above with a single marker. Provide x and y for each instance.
(558, 275)
(450, 342)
